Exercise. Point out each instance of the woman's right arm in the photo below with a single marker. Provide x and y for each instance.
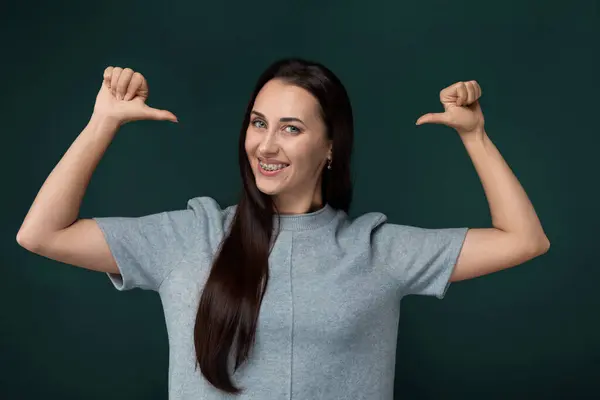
(52, 227)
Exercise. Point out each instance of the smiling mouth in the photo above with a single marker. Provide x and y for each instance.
(272, 167)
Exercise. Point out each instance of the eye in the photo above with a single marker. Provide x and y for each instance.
(292, 129)
(258, 123)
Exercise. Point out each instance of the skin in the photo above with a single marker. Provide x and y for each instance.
(52, 227)
(286, 126)
(516, 235)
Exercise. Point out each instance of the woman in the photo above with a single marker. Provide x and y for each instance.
(282, 295)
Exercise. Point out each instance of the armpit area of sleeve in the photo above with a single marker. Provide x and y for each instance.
(457, 239)
(130, 274)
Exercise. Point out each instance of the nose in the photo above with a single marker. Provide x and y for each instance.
(268, 145)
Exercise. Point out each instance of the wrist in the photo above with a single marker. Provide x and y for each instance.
(105, 121)
(104, 125)
(476, 137)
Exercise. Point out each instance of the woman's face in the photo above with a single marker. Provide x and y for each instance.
(287, 146)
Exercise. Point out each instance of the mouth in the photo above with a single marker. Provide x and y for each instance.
(271, 169)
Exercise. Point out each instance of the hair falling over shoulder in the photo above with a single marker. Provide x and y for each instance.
(229, 305)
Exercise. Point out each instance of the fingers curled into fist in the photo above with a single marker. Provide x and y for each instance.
(125, 84)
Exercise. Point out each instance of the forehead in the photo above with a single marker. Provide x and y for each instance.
(280, 99)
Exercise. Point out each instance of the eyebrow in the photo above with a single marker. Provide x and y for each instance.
(284, 119)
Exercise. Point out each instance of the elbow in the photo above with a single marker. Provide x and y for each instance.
(28, 241)
(539, 247)
(545, 246)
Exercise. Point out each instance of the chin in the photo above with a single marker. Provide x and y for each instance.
(269, 188)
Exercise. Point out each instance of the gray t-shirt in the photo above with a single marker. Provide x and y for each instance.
(328, 323)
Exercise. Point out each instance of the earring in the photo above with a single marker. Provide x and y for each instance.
(329, 163)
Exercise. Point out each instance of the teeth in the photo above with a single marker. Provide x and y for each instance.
(272, 167)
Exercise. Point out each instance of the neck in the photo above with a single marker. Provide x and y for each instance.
(289, 204)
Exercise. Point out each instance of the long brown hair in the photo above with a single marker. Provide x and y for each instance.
(230, 302)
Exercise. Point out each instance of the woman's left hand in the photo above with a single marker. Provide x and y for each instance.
(462, 109)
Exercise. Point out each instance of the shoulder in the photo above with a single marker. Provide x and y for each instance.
(362, 224)
(368, 221)
(209, 207)
(209, 214)
(376, 227)
(359, 229)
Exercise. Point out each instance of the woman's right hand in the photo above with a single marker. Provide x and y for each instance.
(123, 96)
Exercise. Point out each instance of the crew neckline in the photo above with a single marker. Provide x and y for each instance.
(306, 221)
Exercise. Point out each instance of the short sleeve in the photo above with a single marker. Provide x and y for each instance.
(147, 248)
(421, 259)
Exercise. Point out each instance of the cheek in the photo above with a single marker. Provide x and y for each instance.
(307, 157)
(250, 145)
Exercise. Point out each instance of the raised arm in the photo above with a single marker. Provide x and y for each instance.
(516, 235)
(52, 227)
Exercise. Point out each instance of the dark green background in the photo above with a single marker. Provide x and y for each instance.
(529, 332)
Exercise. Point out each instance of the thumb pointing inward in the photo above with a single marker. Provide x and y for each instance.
(160, 115)
(432, 118)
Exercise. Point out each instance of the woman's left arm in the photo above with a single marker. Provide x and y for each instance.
(517, 235)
